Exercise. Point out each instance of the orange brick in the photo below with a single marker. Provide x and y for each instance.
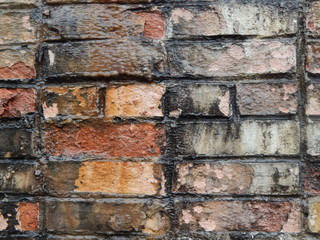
(28, 216)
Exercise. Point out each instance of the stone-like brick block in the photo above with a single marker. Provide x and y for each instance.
(18, 27)
(246, 216)
(18, 178)
(313, 99)
(64, 101)
(312, 177)
(208, 59)
(125, 59)
(314, 215)
(313, 58)
(313, 138)
(17, 62)
(236, 18)
(18, 3)
(244, 138)
(15, 142)
(198, 99)
(313, 17)
(134, 100)
(237, 178)
(267, 98)
(111, 216)
(17, 102)
(104, 139)
(106, 177)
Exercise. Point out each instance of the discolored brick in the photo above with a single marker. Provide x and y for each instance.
(134, 100)
(208, 59)
(111, 216)
(237, 178)
(246, 216)
(17, 62)
(245, 138)
(105, 177)
(314, 215)
(17, 102)
(15, 142)
(98, 1)
(18, 178)
(313, 17)
(64, 101)
(198, 99)
(312, 138)
(154, 24)
(104, 139)
(235, 18)
(313, 99)
(18, 27)
(267, 98)
(313, 58)
(125, 59)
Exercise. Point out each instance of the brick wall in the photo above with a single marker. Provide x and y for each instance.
(160, 119)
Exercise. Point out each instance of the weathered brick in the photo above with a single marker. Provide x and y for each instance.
(15, 142)
(104, 139)
(18, 178)
(101, 22)
(313, 57)
(236, 18)
(237, 178)
(64, 101)
(17, 102)
(98, 1)
(70, 237)
(125, 58)
(312, 177)
(313, 138)
(108, 177)
(244, 138)
(230, 59)
(17, 62)
(267, 98)
(17, 3)
(247, 216)
(28, 216)
(313, 99)
(314, 215)
(134, 100)
(111, 216)
(198, 99)
(313, 17)
(18, 27)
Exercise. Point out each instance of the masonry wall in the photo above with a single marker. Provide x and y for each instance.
(164, 119)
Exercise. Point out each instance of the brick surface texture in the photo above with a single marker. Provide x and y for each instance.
(160, 119)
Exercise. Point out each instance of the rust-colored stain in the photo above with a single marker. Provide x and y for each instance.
(105, 139)
(154, 24)
(18, 70)
(16, 102)
(28, 216)
(120, 177)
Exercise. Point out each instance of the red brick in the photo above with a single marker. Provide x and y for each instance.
(246, 216)
(134, 100)
(154, 24)
(28, 216)
(104, 139)
(16, 102)
(267, 98)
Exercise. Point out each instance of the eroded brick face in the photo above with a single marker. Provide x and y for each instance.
(159, 120)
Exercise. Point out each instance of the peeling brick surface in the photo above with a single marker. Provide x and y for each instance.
(159, 119)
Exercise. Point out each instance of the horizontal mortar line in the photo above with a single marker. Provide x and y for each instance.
(104, 196)
(231, 78)
(235, 196)
(227, 157)
(231, 198)
(227, 37)
(181, 81)
(237, 160)
(196, 118)
(77, 199)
